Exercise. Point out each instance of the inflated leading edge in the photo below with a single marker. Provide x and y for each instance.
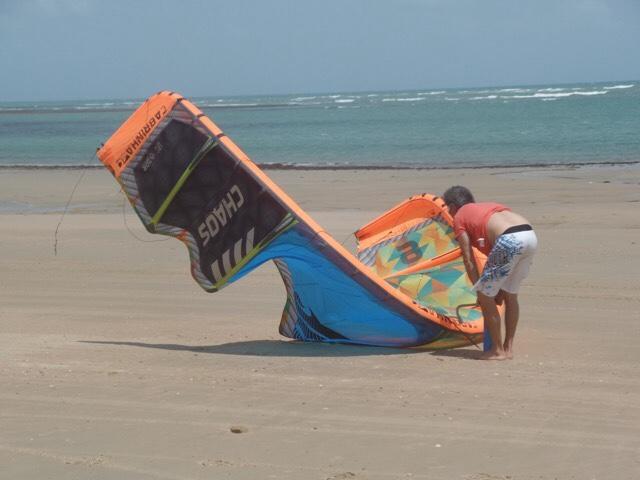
(186, 179)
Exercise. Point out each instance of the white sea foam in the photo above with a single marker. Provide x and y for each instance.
(105, 104)
(344, 100)
(616, 87)
(559, 94)
(514, 90)
(438, 92)
(551, 89)
(231, 105)
(451, 99)
(488, 97)
(302, 99)
(477, 92)
(404, 99)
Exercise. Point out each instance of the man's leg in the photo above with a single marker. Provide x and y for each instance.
(492, 323)
(521, 264)
(511, 321)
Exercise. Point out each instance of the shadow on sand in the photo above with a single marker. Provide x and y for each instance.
(462, 353)
(273, 348)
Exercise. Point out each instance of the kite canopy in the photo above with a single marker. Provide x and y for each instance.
(186, 179)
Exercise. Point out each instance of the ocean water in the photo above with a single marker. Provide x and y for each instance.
(502, 126)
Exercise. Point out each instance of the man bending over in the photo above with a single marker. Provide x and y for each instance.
(510, 243)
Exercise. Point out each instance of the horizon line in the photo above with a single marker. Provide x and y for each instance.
(227, 95)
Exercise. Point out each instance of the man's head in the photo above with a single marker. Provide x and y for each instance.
(456, 197)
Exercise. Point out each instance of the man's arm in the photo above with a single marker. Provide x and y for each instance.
(468, 258)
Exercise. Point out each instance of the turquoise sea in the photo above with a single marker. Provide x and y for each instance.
(501, 126)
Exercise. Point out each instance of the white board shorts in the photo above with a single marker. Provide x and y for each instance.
(508, 263)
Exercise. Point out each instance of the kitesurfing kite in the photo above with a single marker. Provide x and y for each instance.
(185, 178)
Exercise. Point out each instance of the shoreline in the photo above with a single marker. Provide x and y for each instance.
(370, 167)
(92, 189)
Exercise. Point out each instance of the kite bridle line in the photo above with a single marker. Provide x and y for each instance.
(469, 337)
(66, 207)
(126, 224)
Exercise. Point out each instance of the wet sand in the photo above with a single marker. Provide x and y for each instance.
(115, 365)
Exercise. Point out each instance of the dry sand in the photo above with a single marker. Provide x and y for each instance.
(115, 365)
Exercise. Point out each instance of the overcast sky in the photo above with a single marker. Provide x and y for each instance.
(81, 49)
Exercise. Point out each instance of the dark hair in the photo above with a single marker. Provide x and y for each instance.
(458, 196)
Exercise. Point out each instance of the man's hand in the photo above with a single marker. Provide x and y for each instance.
(467, 257)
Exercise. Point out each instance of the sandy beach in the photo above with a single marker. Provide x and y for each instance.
(114, 364)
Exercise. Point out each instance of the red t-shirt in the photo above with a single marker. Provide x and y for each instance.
(473, 218)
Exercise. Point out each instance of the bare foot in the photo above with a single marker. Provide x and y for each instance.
(508, 351)
(493, 355)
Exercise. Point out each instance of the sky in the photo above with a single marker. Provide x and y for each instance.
(92, 49)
